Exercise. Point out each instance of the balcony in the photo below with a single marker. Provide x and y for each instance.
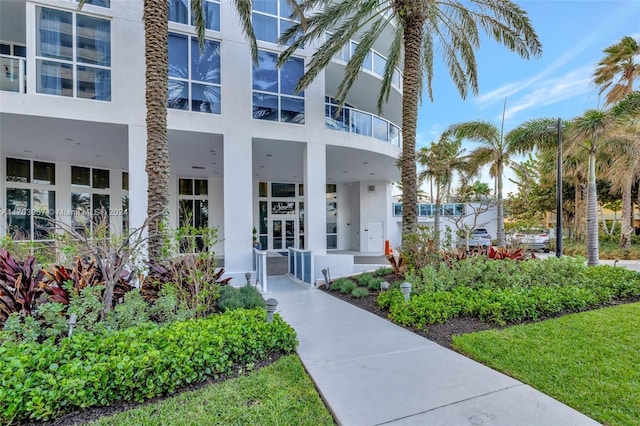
(12, 78)
(374, 63)
(352, 120)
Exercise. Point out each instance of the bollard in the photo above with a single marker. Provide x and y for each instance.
(247, 276)
(325, 272)
(271, 308)
(405, 287)
(73, 319)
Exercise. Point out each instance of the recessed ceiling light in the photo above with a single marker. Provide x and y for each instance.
(68, 139)
(198, 167)
(344, 171)
(213, 164)
(262, 167)
(372, 174)
(365, 162)
(269, 155)
(98, 155)
(212, 150)
(27, 150)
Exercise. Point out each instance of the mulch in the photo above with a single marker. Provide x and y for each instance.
(442, 334)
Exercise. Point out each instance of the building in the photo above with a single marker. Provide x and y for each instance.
(246, 150)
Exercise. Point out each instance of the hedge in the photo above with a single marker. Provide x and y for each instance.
(43, 381)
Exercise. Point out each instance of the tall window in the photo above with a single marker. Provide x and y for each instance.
(31, 199)
(193, 208)
(180, 12)
(73, 55)
(274, 95)
(271, 18)
(194, 77)
(332, 216)
(90, 201)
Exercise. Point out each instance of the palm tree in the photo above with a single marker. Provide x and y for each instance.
(156, 26)
(589, 131)
(443, 160)
(618, 64)
(418, 28)
(496, 150)
(625, 169)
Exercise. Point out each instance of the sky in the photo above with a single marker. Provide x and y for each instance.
(558, 84)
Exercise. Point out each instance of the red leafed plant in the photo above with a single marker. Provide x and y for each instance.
(502, 253)
(20, 285)
(82, 275)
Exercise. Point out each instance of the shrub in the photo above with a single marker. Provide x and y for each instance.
(43, 381)
(383, 271)
(360, 292)
(369, 281)
(19, 285)
(246, 297)
(507, 291)
(343, 285)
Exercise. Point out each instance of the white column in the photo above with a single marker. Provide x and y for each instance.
(137, 176)
(238, 193)
(315, 202)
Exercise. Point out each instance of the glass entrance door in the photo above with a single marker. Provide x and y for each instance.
(283, 233)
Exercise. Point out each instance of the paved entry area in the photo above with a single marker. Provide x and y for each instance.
(372, 372)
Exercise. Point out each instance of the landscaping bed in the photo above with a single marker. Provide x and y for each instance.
(479, 294)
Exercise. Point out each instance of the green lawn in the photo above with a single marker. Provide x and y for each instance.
(279, 394)
(589, 361)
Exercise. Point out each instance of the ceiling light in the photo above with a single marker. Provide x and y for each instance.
(198, 167)
(27, 150)
(269, 155)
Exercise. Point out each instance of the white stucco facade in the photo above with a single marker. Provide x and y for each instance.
(301, 177)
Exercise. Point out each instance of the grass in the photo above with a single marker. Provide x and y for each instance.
(279, 394)
(588, 361)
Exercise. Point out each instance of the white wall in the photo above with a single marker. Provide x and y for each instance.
(373, 208)
(354, 227)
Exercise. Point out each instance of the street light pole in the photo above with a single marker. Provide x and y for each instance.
(559, 193)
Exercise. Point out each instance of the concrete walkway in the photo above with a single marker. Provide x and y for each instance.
(372, 372)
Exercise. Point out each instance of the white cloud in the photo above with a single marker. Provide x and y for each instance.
(551, 91)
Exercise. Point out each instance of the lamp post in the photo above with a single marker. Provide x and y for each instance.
(559, 192)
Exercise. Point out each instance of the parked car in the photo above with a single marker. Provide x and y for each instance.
(536, 239)
(479, 237)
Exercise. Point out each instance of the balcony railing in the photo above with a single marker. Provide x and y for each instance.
(12, 77)
(429, 209)
(363, 123)
(375, 63)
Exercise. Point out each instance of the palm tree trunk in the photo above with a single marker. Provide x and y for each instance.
(156, 23)
(500, 207)
(412, 83)
(627, 214)
(593, 254)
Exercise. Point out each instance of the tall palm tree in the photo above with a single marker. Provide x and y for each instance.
(496, 150)
(443, 160)
(589, 131)
(418, 29)
(156, 26)
(618, 69)
(625, 169)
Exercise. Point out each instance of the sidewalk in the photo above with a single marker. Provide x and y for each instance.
(371, 372)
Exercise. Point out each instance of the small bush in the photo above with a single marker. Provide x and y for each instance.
(369, 281)
(246, 297)
(360, 292)
(43, 381)
(343, 285)
(381, 272)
